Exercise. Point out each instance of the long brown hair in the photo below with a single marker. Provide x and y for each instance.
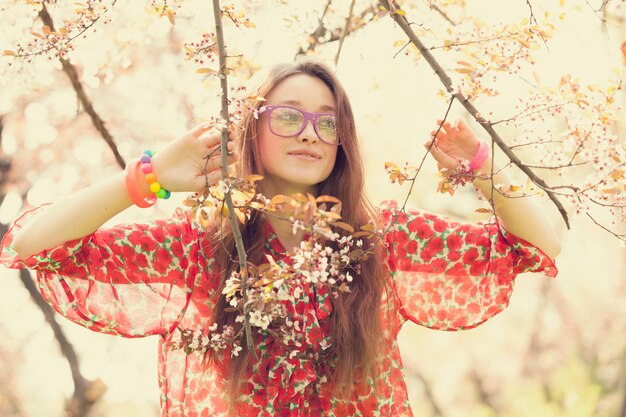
(355, 325)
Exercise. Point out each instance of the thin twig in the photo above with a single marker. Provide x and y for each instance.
(620, 236)
(447, 82)
(336, 32)
(82, 96)
(345, 31)
(441, 12)
(532, 15)
(234, 222)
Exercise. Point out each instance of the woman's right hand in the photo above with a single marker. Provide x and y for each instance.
(181, 165)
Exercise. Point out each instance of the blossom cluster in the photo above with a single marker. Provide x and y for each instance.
(323, 258)
(57, 43)
(201, 340)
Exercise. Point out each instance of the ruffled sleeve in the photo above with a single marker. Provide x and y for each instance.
(131, 280)
(450, 275)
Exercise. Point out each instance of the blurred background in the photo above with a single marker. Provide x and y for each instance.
(559, 349)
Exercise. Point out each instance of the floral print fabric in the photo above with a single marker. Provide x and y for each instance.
(137, 280)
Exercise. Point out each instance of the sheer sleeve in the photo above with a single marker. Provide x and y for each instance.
(131, 280)
(450, 275)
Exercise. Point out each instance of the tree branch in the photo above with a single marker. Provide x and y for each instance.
(345, 31)
(82, 96)
(447, 82)
(441, 12)
(234, 222)
(336, 33)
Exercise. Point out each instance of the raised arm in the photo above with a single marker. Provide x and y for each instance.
(179, 167)
(520, 216)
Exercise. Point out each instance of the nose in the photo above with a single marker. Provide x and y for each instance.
(308, 133)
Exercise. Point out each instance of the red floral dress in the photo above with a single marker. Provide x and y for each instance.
(136, 280)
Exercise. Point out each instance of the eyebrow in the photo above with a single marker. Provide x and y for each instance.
(323, 108)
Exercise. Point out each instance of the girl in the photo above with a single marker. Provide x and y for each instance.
(167, 276)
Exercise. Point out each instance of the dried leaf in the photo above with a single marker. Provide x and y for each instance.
(45, 29)
(344, 226)
(241, 216)
(279, 199)
(299, 197)
(361, 234)
(484, 210)
(327, 199)
(617, 174)
(253, 178)
(206, 71)
(391, 166)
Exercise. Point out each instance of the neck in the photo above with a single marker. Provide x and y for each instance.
(272, 187)
(283, 228)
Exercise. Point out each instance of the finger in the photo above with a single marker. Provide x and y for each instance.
(443, 158)
(200, 129)
(462, 125)
(210, 179)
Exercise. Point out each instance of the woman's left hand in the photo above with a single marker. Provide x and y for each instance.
(453, 144)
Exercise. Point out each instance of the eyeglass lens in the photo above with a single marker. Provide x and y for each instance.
(287, 122)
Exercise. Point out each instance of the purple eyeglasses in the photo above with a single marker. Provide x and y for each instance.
(289, 121)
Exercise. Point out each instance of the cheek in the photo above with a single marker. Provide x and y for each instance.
(266, 148)
(332, 160)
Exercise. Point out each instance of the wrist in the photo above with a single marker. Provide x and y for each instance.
(480, 158)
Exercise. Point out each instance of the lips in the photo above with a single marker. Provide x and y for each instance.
(305, 153)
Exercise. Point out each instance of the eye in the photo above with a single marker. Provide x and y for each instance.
(327, 122)
(290, 116)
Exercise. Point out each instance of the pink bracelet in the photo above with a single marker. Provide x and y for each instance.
(132, 188)
(481, 156)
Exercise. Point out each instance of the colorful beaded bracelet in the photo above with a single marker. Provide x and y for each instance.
(132, 188)
(146, 168)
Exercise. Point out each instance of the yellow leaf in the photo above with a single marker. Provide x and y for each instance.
(390, 165)
(536, 77)
(253, 178)
(241, 216)
(279, 199)
(8, 53)
(327, 199)
(46, 29)
(399, 43)
(249, 24)
(344, 226)
(617, 174)
(561, 3)
(465, 63)
(464, 70)
(624, 52)
(484, 210)
(400, 12)
(205, 71)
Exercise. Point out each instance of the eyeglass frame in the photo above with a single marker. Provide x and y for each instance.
(307, 116)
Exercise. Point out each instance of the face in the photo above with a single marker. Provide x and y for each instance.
(287, 168)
